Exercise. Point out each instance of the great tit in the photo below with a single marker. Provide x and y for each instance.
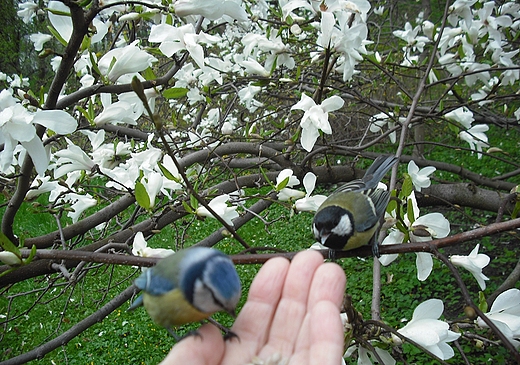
(350, 216)
(188, 286)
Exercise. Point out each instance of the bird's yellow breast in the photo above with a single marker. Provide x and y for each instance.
(360, 238)
(172, 309)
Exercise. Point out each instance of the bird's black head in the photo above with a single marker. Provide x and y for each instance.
(333, 226)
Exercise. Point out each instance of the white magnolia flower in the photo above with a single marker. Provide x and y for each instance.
(152, 183)
(378, 121)
(128, 59)
(420, 178)
(247, 97)
(474, 263)
(227, 128)
(461, 115)
(427, 330)
(364, 355)
(476, 137)
(27, 11)
(505, 314)
(115, 113)
(174, 39)
(73, 158)
(44, 184)
(80, 203)
(316, 118)
(436, 226)
(140, 248)
(220, 207)
(9, 258)
(394, 237)
(211, 9)
(285, 193)
(410, 36)
(39, 39)
(309, 203)
(17, 126)
(253, 67)
(61, 23)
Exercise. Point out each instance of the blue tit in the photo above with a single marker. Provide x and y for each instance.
(188, 286)
(350, 216)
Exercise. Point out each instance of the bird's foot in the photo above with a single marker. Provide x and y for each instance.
(228, 334)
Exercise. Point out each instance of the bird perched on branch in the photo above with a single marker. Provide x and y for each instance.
(350, 216)
(188, 286)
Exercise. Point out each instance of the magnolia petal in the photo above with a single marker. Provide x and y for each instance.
(304, 104)
(39, 155)
(57, 120)
(332, 103)
(508, 301)
(431, 308)
(309, 182)
(309, 137)
(424, 263)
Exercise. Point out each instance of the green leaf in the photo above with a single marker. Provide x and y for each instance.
(407, 187)
(194, 202)
(7, 245)
(57, 35)
(31, 256)
(482, 304)
(409, 211)
(187, 207)
(283, 184)
(263, 82)
(175, 92)
(85, 114)
(167, 173)
(148, 74)
(58, 12)
(141, 195)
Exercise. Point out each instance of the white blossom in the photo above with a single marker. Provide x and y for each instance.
(474, 263)
(316, 118)
(420, 178)
(505, 314)
(427, 330)
(220, 207)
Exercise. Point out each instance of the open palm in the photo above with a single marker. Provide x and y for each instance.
(291, 314)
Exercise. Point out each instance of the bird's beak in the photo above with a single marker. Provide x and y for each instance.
(324, 238)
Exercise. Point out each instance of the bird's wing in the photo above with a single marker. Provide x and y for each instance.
(380, 199)
(153, 283)
(365, 216)
(354, 185)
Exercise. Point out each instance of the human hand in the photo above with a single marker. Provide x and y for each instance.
(291, 314)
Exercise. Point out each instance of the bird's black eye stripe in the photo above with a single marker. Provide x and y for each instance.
(218, 302)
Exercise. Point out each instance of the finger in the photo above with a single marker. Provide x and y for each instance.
(328, 284)
(321, 341)
(293, 304)
(254, 320)
(326, 334)
(206, 349)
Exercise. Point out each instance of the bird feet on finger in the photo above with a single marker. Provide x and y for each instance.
(178, 338)
(228, 334)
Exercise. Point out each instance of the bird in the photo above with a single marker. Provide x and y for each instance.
(350, 216)
(189, 286)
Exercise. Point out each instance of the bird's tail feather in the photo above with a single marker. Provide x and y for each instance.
(378, 169)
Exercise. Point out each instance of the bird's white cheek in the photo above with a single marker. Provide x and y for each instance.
(344, 227)
(203, 298)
